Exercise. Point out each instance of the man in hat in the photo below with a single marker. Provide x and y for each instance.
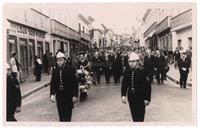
(64, 87)
(15, 66)
(183, 65)
(13, 99)
(136, 87)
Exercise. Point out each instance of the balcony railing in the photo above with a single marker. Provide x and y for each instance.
(60, 29)
(85, 36)
(181, 19)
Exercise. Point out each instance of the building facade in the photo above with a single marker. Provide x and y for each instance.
(25, 36)
(157, 25)
(181, 30)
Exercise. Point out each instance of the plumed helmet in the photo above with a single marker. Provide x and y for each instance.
(183, 52)
(60, 55)
(133, 56)
(7, 66)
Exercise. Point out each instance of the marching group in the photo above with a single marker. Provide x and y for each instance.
(138, 67)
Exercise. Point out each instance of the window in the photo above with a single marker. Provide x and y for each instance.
(190, 42)
(178, 43)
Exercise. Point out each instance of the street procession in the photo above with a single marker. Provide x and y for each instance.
(99, 62)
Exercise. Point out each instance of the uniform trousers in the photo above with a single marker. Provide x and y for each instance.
(64, 106)
(137, 107)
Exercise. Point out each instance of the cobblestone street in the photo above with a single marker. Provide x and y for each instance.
(169, 104)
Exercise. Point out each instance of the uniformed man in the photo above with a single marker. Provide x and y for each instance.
(13, 98)
(64, 87)
(137, 89)
(183, 65)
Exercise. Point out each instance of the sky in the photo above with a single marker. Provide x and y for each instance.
(119, 17)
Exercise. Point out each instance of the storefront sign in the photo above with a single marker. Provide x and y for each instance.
(27, 31)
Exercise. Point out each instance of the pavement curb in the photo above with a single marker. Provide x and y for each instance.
(177, 81)
(28, 93)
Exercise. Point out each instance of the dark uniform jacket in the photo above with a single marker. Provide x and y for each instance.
(69, 81)
(140, 84)
(183, 64)
(13, 95)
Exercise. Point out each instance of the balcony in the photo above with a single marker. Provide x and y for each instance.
(59, 29)
(163, 25)
(85, 37)
(64, 31)
(182, 19)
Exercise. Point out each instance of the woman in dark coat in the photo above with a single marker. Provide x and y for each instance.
(38, 68)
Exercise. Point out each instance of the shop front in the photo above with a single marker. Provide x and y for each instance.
(26, 42)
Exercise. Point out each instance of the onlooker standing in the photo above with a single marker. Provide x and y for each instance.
(15, 66)
(183, 65)
(38, 68)
(13, 99)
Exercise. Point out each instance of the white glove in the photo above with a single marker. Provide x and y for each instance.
(52, 98)
(146, 102)
(184, 69)
(74, 99)
(124, 99)
(18, 109)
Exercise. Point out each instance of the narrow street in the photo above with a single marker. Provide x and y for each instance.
(169, 104)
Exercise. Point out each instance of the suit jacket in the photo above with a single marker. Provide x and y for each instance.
(117, 62)
(141, 85)
(183, 64)
(149, 63)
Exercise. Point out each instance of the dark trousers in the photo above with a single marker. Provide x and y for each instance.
(137, 108)
(183, 79)
(64, 108)
(116, 75)
(107, 75)
(10, 115)
(38, 75)
(160, 76)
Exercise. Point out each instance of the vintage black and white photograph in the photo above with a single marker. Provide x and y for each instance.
(99, 63)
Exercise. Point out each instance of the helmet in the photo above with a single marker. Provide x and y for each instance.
(183, 52)
(60, 55)
(7, 66)
(133, 56)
